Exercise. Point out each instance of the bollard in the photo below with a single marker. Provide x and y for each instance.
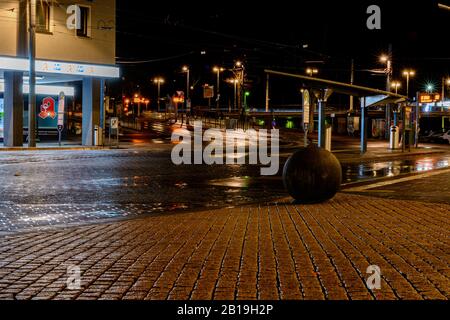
(312, 175)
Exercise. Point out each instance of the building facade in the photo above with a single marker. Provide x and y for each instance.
(75, 42)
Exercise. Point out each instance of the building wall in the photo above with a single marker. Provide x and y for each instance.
(9, 12)
(62, 43)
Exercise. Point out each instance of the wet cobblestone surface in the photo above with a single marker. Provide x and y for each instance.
(51, 188)
(267, 251)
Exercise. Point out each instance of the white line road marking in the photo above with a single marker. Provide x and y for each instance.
(390, 182)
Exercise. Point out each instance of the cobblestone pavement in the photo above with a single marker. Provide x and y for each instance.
(48, 188)
(272, 251)
(432, 189)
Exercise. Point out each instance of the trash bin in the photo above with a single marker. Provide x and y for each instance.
(394, 138)
(98, 136)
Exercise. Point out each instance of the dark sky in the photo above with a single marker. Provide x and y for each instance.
(167, 34)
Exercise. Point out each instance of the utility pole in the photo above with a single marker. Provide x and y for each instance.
(32, 74)
(389, 73)
(352, 80)
(267, 92)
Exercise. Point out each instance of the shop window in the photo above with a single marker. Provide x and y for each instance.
(85, 13)
(43, 16)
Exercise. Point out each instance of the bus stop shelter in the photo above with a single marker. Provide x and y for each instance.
(323, 89)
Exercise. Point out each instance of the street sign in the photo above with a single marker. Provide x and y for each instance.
(178, 97)
(114, 123)
(208, 92)
(61, 109)
(429, 97)
(306, 107)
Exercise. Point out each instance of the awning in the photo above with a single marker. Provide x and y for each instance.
(66, 70)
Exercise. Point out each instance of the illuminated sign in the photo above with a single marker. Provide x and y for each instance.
(178, 97)
(44, 89)
(208, 92)
(47, 109)
(67, 68)
(429, 97)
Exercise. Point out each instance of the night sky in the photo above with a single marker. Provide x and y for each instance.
(156, 39)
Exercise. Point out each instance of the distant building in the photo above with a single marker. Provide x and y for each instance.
(63, 55)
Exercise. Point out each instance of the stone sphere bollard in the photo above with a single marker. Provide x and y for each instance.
(312, 175)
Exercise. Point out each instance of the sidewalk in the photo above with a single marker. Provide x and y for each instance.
(271, 251)
(45, 146)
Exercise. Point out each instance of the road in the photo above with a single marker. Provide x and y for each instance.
(49, 188)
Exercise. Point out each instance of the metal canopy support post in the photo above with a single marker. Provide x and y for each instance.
(322, 129)
(91, 109)
(32, 74)
(13, 109)
(417, 128)
(363, 126)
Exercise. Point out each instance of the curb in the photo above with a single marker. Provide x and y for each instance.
(53, 149)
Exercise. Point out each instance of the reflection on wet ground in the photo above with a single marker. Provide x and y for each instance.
(374, 170)
(65, 188)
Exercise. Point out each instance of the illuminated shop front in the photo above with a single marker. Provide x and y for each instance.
(74, 57)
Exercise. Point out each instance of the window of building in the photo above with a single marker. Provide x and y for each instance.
(43, 16)
(84, 19)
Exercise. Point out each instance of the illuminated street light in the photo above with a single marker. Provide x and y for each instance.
(311, 71)
(384, 58)
(239, 73)
(396, 85)
(218, 70)
(187, 71)
(429, 88)
(408, 74)
(159, 82)
(235, 83)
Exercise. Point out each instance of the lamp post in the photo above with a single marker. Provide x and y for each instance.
(218, 70)
(234, 82)
(187, 71)
(240, 70)
(311, 71)
(408, 74)
(387, 60)
(159, 82)
(396, 85)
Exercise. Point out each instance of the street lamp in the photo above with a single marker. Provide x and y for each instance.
(239, 73)
(187, 71)
(218, 70)
(235, 83)
(311, 71)
(408, 74)
(429, 88)
(159, 82)
(386, 59)
(396, 85)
